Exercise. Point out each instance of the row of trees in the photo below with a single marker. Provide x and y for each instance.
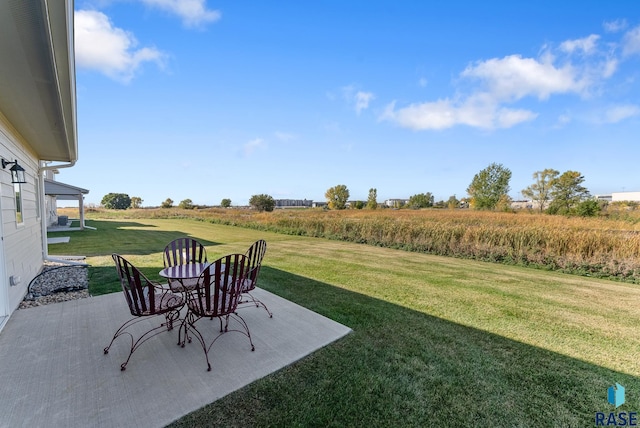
(122, 201)
(551, 191)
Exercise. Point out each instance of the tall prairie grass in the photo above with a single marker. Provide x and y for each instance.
(600, 247)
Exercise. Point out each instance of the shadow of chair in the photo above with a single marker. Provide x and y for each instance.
(254, 254)
(145, 299)
(217, 296)
(183, 251)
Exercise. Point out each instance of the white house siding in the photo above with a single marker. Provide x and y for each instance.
(23, 252)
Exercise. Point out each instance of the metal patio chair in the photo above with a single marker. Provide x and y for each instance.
(145, 299)
(183, 251)
(217, 296)
(254, 254)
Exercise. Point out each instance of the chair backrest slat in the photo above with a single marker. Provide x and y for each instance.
(184, 251)
(218, 289)
(254, 254)
(138, 290)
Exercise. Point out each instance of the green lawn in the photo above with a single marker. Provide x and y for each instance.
(436, 341)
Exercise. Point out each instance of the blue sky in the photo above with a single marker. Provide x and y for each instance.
(205, 100)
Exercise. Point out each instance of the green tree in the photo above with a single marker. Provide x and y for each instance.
(567, 192)
(588, 208)
(225, 203)
(421, 200)
(168, 203)
(337, 197)
(357, 205)
(372, 201)
(489, 186)
(136, 202)
(453, 202)
(262, 202)
(116, 201)
(186, 204)
(540, 190)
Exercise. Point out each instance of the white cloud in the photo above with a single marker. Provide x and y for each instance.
(514, 77)
(110, 50)
(429, 115)
(502, 80)
(506, 117)
(587, 45)
(615, 26)
(488, 90)
(194, 13)
(362, 100)
(253, 145)
(619, 113)
(479, 111)
(609, 67)
(359, 99)
(631, 42)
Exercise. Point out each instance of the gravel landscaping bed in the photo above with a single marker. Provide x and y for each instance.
(58, 282)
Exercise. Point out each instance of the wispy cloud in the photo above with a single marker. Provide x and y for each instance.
(563, 120)
(362, 100)
(284, 136)
(101, 46)
(514, 77)
(194, 13)
(479, 112)
(631, 42)
(615, 26)
(359, 99)
(586, 45)
(257, 143)
(619, 113)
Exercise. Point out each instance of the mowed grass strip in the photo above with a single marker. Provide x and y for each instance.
(436, 342)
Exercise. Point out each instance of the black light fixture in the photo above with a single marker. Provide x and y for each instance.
(17, 172)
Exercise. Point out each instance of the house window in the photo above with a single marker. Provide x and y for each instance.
(18, 191)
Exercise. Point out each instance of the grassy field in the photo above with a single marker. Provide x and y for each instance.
(437, 341)
(605, 247)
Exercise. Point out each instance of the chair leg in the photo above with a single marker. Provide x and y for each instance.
(256, 302)
(170, 317)
(135, 344)
(191, 326)
(223, 330)
(245, 328)
(184, 326)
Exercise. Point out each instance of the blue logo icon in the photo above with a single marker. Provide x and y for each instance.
(616, 395)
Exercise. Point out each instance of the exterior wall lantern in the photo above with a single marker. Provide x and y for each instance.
(17, 172)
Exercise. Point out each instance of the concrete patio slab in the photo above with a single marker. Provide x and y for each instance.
(54, 372)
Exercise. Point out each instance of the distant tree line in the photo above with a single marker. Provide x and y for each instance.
(551, 192)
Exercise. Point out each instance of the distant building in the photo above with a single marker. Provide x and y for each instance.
(293, 203)
(520, 205)
(396, 203)
(625, 196)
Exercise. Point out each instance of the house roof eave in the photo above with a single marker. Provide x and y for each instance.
(37, 82)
